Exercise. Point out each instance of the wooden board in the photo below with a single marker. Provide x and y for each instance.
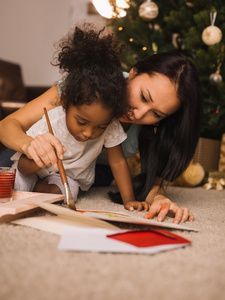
(23, 204)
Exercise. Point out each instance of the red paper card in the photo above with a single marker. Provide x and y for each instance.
(149, 238)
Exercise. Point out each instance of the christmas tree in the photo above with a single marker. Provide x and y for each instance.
(158, 26)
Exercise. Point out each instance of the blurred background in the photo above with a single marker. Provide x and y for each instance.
(30, 28)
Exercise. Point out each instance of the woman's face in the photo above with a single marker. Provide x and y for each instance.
(151, 98)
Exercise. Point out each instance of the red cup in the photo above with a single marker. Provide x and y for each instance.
(7, 180)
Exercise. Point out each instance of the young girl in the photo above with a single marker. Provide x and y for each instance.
(93, 94)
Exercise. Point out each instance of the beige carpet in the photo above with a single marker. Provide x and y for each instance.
(32, 268)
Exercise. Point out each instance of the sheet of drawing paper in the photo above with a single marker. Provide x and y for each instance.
(96, 218)
(119, 241)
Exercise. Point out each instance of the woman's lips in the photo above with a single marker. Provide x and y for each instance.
(127, 118)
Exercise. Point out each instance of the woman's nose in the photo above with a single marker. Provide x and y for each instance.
(140, 112)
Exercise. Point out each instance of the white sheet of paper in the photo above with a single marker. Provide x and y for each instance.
(95, 240)
(51, 224)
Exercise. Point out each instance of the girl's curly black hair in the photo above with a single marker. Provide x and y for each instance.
(91, 60)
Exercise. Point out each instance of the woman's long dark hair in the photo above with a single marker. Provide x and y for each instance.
(167, 153)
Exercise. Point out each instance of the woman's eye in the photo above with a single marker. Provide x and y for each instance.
(157, 116)
(143, 97)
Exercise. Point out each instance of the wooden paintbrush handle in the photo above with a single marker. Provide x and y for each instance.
(62, 171)
(59, 162)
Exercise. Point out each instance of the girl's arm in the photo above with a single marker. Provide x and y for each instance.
(13, 130)
(27, 166)
(160, 205)
(123, 180)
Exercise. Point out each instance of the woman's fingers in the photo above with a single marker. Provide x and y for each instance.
(182, 214)
(178, 214)
(187, 215)
(163, 211)
(43, 150)
(161, 207)
(158, 208)
(164, 207)
(191, 217)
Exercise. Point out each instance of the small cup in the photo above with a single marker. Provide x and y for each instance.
(7, 180)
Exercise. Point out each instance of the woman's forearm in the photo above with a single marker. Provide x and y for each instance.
(13, 128)
(13, 136)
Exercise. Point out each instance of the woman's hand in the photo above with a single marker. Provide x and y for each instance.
(131, 205)
(162, 206)
(43, 150)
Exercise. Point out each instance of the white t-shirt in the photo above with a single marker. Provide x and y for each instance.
(80, 157)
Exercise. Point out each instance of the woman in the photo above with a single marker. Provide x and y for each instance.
(165, 99)
(163, 123)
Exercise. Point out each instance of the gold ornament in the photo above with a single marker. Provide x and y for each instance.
(192, 176)
(216, 180)
(148, 10)
(215, 78)
(214, 183)
(154, 48)
(189, 4)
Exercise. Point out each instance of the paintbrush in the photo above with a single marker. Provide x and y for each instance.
(69, 199)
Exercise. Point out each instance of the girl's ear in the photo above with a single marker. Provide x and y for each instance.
(133, 72)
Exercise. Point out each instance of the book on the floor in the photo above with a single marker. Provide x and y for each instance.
(64, 216)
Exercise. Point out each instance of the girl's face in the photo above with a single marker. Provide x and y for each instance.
(151, 98)
(87, 122)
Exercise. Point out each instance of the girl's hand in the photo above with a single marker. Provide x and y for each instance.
(43, 150)
(162, 206)
(131, 205)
